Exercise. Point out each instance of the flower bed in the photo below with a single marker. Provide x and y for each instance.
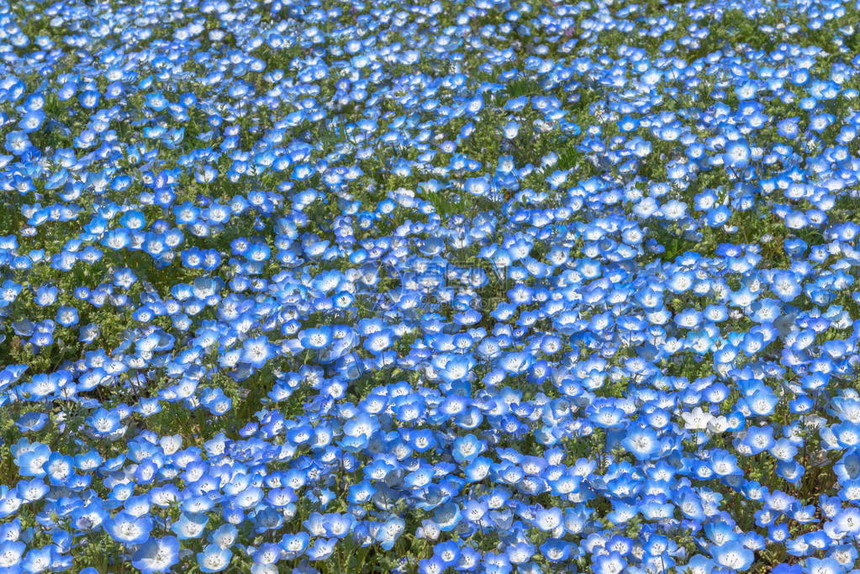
(329, 286)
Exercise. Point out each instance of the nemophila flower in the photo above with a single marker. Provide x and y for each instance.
(30, 458)
(511, 129)
(32, 421)
(32, 490)
(322, 549)
(224, 536)
(823, 566)
(846, 521)
(642, 442)
(257, 351)
(18, 143)
(89, 99)
(608, 416)
(467, 448)
(733, 555)
(758, 439)
(46, 295)
(266, 554)
(846, 434)
(387, 533)
(103, 422)
(67, 316)
(217, 402)
(294, 545)
(845, 554)
(40, 559)
(723, 463)
(762, 402)
(59, 467)
(214, 559)
(786, 285)
(611, 563)
(156, 555)
(316, 338)
(11, 552)
(431, 565)
(133, 220)
(737, 154)
(190, 525)
(848, 467)
(128, 529)
(31, 121)
(156, 101)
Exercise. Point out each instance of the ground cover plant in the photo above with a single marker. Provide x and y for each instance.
(451, 286)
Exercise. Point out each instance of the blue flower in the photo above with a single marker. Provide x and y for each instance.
(214, 558)
(156, 555)
(467, 448)
(257, 351)
(104, 422)
(32, 421)
(190, 525)
(11, 552)
(18, 143)
(128, 529)
(642, 442)
(733, 555)
(608, 563)
(388, 532)
(31, 121)
(316, 338)
(294, 545)
(322, 549)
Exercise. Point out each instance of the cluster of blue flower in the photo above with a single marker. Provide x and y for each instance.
(477, 286)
